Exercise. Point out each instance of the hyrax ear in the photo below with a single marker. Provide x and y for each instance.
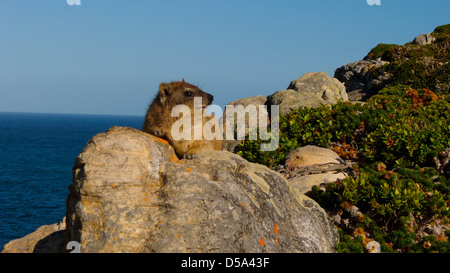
(183, 81)
(164, 91)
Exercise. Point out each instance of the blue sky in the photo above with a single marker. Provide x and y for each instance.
(109, 56)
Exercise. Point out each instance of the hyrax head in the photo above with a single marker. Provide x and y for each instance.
(176, 93)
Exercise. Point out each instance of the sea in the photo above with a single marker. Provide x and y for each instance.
(37, 153)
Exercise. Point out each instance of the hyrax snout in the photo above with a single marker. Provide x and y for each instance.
(159, 120)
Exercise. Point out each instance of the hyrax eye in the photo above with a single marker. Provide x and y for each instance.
(188, 93)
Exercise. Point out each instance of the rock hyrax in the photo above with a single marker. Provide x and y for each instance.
(158, 120)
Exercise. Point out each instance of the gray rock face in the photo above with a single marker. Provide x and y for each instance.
(114, 179)
(423, 39)
(290, 99)
(359, 81)
(310, 90)
(131, 194)
(321, 85)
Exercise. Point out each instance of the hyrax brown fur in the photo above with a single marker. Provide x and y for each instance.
(159, 121)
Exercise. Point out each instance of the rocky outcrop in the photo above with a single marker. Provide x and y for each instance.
(321, 85)
(131, 194)
(358, 78)
(423, 39)
(421, 63)
(289, 100)
(310, 90)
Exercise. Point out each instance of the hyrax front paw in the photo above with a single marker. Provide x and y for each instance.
(158, 133)
(189, 156)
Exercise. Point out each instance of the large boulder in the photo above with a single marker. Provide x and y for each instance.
(130, 193)
(310, 166)
(321, 85)
(290, 99)
(310, 90)
(311, 155)
(423, 39)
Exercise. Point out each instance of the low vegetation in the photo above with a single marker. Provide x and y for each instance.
(394, 140)
(426, 66)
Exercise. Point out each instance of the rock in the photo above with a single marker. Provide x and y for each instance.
(354, 211)
(304, 183)
(230, 145)
(256, 100)
(373, 247)
(336, 219)
(289, 100)
(316, 166)
(437, 231)
(46, 239)
(113, 180)
(442, 162)
(321, 85)
(359, 81)
(311, 155)
(130, 193)
(423, 39)
(310, 90)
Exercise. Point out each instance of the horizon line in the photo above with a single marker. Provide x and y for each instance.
(73, 114)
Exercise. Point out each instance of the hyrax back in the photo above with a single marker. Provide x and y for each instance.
(158, 120)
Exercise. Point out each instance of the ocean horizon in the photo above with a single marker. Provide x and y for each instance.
(37, 153)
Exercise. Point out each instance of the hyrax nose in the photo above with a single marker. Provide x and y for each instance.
(210, 98)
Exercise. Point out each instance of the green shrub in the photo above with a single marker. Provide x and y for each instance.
(444, 29)
(349, 244)
(380, 51)
(442, 32)
(301, 127)
(407, 133)
(389, 129)
(392, 198)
